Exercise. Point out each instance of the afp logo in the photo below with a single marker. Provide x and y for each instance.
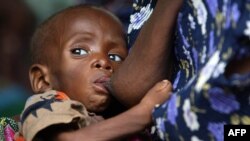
(236, 132)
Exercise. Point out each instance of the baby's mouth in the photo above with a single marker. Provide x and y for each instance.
(100, 84)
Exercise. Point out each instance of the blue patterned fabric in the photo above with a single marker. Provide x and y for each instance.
(209, 34)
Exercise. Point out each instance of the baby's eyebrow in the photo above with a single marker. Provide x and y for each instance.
(81, 37)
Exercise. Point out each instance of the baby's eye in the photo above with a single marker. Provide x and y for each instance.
(79, 51)
(115, 57)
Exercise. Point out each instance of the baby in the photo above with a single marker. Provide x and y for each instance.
(74, 54)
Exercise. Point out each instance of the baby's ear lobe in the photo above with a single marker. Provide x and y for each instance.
(39, 78)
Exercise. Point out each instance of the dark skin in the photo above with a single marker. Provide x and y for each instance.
(88, 52)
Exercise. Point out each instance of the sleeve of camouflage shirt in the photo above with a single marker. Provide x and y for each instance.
(52, 108)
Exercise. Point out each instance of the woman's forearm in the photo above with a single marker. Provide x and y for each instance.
(150, 57)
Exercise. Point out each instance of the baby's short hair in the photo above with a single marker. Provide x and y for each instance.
(44, 36)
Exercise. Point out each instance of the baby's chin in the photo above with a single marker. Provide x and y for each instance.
(98, 107)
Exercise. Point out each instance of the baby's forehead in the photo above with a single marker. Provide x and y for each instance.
(85, 12)
(65, 21)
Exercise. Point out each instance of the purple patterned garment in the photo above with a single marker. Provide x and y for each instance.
(209, 34)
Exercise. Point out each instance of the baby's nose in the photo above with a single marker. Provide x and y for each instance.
(103, 64)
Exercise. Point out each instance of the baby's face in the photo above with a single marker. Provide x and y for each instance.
(92, 46)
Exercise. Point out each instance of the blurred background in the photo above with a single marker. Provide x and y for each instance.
(18, 20)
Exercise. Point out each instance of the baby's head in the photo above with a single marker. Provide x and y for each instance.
(76, 51)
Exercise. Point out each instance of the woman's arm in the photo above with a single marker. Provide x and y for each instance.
(149, 60)
(134, 120)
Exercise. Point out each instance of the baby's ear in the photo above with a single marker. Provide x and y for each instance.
(39, 78)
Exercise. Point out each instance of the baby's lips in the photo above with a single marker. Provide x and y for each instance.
(102, 79)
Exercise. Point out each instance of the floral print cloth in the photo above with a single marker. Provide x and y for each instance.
(8, 128)
(209, 35)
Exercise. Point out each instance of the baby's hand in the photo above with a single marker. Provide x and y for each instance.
(156, 95)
